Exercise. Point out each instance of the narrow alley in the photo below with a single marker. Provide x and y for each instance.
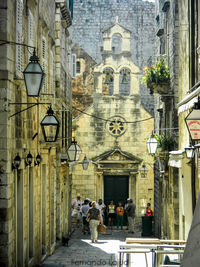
(99, 126)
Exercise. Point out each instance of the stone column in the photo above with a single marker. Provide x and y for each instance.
(116, 83)
(99, 185)
(98, 83)
(132, 186)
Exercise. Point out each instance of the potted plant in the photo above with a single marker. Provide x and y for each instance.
(157, 77)
(165, 143)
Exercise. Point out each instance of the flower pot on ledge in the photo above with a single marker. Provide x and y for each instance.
(159, 88)
(160, 153)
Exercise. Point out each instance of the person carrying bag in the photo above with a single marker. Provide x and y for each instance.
(95, 218)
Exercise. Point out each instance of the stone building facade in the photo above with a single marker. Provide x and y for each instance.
(178, 37)
(34, 199)
(113, 131)
(189, 90)
(166, 122)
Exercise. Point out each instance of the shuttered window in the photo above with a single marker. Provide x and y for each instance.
(31, 28)
(19, 38)
(73, 65)
(51, 73)
(44, 65)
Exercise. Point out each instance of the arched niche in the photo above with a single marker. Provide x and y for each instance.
(108, 80)
(116, 43)
(124, 82)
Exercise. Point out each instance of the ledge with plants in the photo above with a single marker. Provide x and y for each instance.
(157, 77)
(165, 144)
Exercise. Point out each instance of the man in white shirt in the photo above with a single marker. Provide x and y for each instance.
(76, 208)
(101, 206)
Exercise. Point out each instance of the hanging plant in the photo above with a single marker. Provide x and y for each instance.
(166, 143)
(157, 75)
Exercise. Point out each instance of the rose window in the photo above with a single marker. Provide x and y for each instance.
(116, 126)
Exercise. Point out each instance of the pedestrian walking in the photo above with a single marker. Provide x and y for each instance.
(95, 218)
(84, 210)
(120, 215)
(131, 215)
(76, 209)
(111, 214)
(101, 206)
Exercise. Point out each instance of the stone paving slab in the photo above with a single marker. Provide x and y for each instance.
(82, 252)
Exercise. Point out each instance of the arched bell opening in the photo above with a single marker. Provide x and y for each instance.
(124, 82)
(108, 80)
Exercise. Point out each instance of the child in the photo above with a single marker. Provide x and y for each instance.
(120, 215)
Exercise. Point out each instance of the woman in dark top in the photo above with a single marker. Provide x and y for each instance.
(95, 218)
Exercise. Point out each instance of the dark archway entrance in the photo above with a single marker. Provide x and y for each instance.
(116, 188)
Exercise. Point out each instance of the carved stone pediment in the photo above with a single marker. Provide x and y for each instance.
(117, 155)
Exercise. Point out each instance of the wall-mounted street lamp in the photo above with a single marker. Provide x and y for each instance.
(189, 151)
(143, 171)
(193, 123)
(33, 76)
(85, 163)
(50, 126)
(16, 162)
(28, 160)
(38, 160)
(74, 151)
(33, 73)
(152, 144)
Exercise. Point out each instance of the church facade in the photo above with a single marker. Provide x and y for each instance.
(113, 130)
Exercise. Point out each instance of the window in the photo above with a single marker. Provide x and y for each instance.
(19, 38)
(73, 66)
(44, 64)
(124, 82)
(116, 43)
(31, 23)
(78, 67)
(116, 126)
(108, 80)
(51, 72)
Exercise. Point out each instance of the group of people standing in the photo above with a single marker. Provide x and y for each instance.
(93, 213)
(118, 213)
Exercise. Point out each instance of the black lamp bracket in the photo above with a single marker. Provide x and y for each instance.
(4, 42)
(33, 105)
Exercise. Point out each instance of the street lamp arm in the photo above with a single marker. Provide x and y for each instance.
(4, 42)
(33, 105)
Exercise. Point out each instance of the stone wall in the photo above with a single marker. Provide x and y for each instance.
(28, 195)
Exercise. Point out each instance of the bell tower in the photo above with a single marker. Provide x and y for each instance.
(116, 75)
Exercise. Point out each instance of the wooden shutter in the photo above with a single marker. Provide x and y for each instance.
(44, 65)
(19, 38)
(73, 65)
(31, 28)
(51, 73)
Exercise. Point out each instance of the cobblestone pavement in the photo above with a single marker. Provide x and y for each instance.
(81, 252)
